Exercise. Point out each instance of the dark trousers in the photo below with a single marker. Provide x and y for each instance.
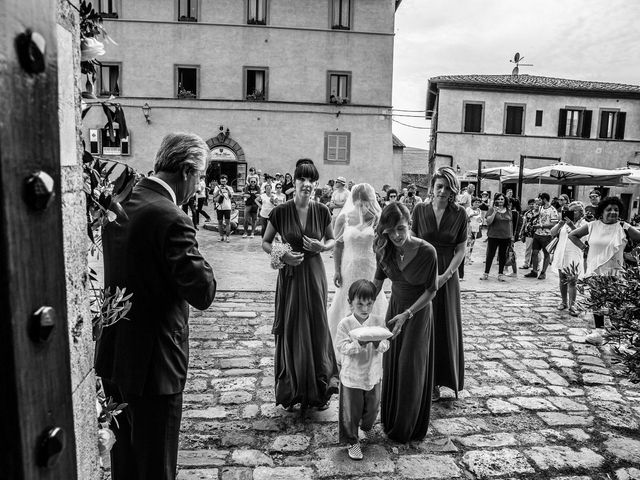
(540, 242)
(146, 445)
(263, 225)
(357, 408)
(200, 211)
(501, 245)
(191, 205)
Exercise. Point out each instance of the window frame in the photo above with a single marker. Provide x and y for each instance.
(115, 5)
(187, 19)
(331, 15)
(539, 118)
(618, 127)
(245, 72)
(522, 123)
(464, 111)
(580, 124)
(342, 73)
(98, 86)
(176, 77)
(266, 13)
(347, 160)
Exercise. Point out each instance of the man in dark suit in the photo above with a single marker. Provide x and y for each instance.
(143, 359)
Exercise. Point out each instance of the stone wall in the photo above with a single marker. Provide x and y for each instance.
(76, 244)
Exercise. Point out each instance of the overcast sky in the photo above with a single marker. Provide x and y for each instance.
(576, 39)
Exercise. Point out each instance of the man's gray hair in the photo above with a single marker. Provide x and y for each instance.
(178, 149)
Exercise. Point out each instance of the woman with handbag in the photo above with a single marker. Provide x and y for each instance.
(499, 234)
(306, 372)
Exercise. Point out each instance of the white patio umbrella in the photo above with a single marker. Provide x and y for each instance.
(496, 173)
(566, 173)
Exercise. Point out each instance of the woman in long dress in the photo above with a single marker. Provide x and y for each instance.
(411, 265)
(353, 254)
(305, 366)
(443, 224)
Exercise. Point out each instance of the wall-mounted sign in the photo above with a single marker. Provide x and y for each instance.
(223, 154)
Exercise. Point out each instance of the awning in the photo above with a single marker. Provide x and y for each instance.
(564, 173)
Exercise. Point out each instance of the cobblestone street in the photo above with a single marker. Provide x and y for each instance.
(538, 403)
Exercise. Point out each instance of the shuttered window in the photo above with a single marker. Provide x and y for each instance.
(341, 14)
(612, 123)
(574, 122)
(337, 147)
(473, 116)
(257, 12)
(187, 10)
(514, 119)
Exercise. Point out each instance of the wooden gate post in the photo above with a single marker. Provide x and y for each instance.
(36, 431)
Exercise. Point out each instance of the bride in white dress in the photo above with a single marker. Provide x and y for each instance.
(353, 254)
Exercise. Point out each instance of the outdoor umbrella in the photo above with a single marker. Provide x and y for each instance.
(496, 173)
(570, 175)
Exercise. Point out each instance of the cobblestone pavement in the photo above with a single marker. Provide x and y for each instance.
(539, 403)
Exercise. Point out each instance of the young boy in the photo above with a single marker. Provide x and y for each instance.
(474, 214)
(361, 370)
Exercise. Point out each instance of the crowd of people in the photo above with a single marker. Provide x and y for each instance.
(389, 356)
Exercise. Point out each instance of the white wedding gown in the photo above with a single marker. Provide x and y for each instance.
(358, 261)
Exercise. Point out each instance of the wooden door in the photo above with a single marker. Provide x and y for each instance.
(35, 384)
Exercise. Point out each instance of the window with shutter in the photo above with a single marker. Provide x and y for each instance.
(337, 147)
(341, 14)
(338, 87)
(108, 8)
(538, 118)
(255, 83)
(102, 141)
(109, 80)
(574, 122)
(257, 12)
(514, 120)
(611, 124)
(188, 10)
(187, 81)
(473, 117)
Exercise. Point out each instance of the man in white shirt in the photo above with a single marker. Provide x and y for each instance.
(464, 200)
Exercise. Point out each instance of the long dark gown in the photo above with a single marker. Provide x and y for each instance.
(447, 318)
(306, 372)
(407, 378)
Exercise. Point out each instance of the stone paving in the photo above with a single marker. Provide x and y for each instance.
(539, 403)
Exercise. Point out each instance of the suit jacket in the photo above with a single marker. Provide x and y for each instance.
(154, 255)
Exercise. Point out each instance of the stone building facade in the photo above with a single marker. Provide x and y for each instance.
(280, 80)
(501, 117)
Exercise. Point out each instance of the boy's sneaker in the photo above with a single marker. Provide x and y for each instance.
(542, 276)
(595, 337)
(525, 267)
(355, 452)
(532, 274)
(513, 275)
(244, 235)
(502, 277)
(251, 235)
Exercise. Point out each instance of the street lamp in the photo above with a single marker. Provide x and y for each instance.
(146, 111)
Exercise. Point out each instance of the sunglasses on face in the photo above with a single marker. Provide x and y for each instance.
(392, 196)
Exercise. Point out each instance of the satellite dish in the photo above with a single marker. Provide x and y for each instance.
(517, 59)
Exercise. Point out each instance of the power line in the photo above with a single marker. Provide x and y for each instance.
(411, 126)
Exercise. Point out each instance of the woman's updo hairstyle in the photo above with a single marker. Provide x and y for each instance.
(391, 215)
(306, 169)
(605, 202)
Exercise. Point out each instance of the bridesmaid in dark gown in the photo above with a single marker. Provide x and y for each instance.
(411, 265)
(443, 224)
(306, 372)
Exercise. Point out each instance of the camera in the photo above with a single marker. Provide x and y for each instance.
(567, 215)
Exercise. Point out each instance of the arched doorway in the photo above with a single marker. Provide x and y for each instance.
(227, 157)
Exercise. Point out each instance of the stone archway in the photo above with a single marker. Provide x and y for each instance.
(229, 159)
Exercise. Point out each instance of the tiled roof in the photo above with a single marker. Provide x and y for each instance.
(530, 83)
(397, 142)
(534, 81)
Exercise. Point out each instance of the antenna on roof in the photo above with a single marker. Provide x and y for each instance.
(517, 59)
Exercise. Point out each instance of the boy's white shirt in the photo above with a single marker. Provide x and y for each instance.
(361, 366)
